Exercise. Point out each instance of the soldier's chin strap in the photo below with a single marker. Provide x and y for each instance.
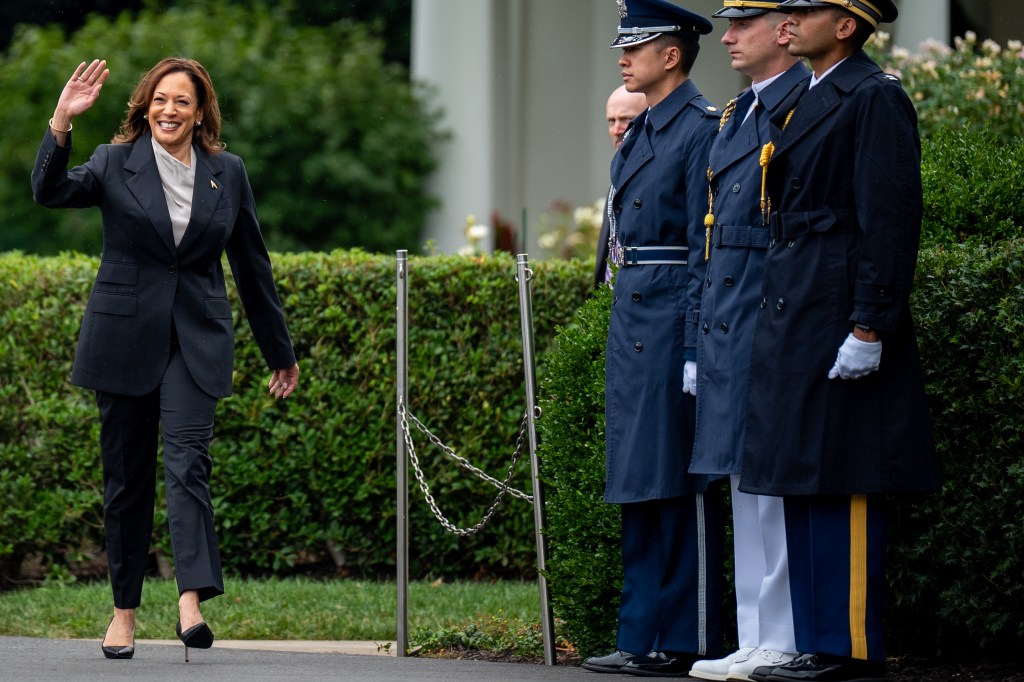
(766, 157)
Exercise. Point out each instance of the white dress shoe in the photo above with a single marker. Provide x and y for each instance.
(718, 669)
(740, 670)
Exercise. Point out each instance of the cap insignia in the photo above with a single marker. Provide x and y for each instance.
(621, 5)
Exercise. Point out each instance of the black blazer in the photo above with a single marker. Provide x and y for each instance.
(145, 286)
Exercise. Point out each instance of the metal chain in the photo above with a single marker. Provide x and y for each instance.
(502, 486)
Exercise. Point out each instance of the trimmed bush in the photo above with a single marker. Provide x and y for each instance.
(308, 483)
(972, 182)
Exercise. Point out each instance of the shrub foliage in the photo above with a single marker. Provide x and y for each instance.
(307, 483)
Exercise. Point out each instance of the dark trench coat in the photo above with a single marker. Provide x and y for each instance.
(846, 180)
(732, 286)
(660, 200)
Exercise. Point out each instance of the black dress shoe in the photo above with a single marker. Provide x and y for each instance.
(661, 664)
(824, 668)
(609, 663)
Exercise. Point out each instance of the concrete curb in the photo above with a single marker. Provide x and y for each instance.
(304, 646)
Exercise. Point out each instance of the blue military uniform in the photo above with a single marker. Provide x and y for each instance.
(732, 285)
(737, 239)
(671, 535)
(845, 182)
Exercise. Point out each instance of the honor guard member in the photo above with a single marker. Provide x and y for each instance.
(736, 239)
(669, 613)
(836, 413)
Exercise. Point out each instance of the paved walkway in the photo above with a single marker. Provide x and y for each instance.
(78, 660)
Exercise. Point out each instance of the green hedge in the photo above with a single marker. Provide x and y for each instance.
(307, 483)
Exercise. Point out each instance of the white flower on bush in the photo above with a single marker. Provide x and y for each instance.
(568, 232)
(548, 241)
(475, 234)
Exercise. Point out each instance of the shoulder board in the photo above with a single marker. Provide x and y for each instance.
(706, 107)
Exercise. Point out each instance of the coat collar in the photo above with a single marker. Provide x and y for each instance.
(661, 114)
(628, 160)
(735, 142)
(146, 187)
(821, 100)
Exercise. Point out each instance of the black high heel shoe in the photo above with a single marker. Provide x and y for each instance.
(199, 636)
(118, 651)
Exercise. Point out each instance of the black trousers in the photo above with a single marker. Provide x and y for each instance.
(673, 577)
(129, 434)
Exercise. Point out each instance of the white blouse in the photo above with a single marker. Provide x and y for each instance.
(179, 181)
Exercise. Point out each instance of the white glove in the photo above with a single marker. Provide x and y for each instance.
(690, 377)
(856, 359)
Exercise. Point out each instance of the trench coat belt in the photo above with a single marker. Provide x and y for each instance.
(654, 255)
(743, 236)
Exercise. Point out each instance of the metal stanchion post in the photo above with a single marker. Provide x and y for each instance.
(547, 621)
(402, 470)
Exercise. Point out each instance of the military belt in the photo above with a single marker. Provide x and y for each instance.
(654, 255)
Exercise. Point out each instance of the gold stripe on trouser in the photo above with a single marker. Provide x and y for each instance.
(859, 575)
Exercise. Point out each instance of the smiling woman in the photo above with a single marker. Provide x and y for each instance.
(157, 342)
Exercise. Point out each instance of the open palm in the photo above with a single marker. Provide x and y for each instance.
(83, 87)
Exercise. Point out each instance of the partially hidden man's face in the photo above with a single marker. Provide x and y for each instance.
(622, 108)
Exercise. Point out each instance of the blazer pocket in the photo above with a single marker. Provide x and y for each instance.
(217, 308)
(118, 273)
(114, 304)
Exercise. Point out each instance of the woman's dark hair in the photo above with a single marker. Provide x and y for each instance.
(207, 135)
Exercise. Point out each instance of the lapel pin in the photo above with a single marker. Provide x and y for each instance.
(213, 184)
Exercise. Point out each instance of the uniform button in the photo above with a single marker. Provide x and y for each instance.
(172, 269)
(724, 328)
(705, 328)
(736, 188)
(780, 304)
(795, 184)
(791, 244)
(764, 303)
(618, 209)
(729, 281)
(636, 296)
(637, 203)
(638, 346)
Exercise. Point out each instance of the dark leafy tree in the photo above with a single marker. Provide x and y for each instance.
(337, 142)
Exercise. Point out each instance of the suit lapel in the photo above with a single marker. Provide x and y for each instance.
(738, 139)
(820, 101)
(639, 155)
(205, 196)
(145, 186)
(815, 105)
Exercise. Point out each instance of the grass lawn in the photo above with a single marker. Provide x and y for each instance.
(274, 609)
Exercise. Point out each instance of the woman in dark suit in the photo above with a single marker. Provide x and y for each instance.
(157, 342)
